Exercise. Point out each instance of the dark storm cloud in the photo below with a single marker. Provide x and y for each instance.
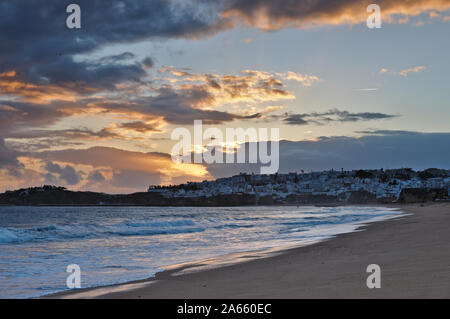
(117, 58)
(38, 45)
(415, 150)
(393, 150)
(85, 134)
(15, 115)
(8, 157)
(387, 132)
(37, 140)
(296, 119)
(148, 62)
(101, 74)
(67, 173)
(96, 177)
(40, 144)
(179, 106)
(334, 115)
(140, 127)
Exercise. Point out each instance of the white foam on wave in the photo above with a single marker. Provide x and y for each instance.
(7, 236)
(54, 232)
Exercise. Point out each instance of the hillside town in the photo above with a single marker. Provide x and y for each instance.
(377, 184)
(316, 188)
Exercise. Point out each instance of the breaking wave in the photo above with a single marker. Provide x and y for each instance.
(63, 232)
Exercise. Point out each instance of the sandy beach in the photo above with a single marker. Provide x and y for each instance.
(412, 251)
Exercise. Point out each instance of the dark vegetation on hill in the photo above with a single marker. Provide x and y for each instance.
(52, 195)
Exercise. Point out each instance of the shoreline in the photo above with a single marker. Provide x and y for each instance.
(340, 204)
(340, 257)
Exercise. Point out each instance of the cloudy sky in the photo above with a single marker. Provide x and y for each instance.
(94, 108)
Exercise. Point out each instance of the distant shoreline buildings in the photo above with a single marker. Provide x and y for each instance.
(316, 188)
(378, 184)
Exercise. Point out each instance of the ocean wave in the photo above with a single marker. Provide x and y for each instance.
(6, 236)
(154, 227)
(55, 232)
(150, 232)
(332, 220)
(233, 226)
(174, 223)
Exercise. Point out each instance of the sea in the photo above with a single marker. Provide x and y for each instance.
(120, 244)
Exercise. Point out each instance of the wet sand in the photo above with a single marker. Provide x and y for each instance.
(413, 252)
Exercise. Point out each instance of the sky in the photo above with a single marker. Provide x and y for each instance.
(94, 108)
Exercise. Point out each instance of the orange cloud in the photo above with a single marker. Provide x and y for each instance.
(303, 79)
(10, 84)
(250, 86)
(278, 14)
(406, 71)
(438, 16)
(413, 70)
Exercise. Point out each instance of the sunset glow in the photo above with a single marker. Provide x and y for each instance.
(93, 108)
